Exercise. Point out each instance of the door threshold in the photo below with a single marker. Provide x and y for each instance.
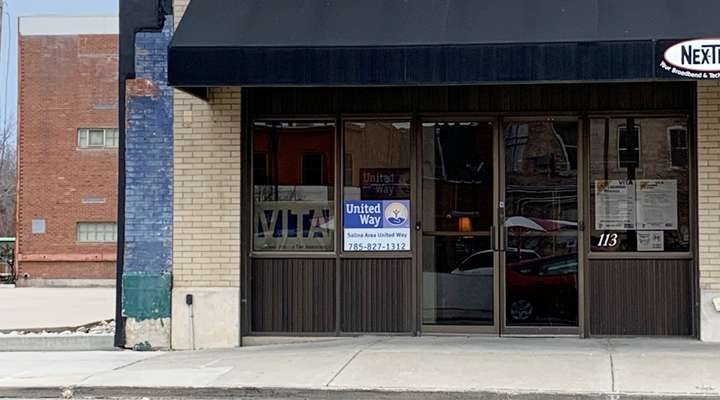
(542, 335)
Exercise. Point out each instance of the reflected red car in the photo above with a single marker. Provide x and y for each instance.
(544, 289)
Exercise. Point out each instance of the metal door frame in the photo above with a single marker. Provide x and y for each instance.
(538, 330)
(499, 326)
(489, 330)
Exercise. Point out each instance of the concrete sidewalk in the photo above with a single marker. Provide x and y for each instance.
(386, 368)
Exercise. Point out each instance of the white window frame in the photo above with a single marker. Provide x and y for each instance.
(96, 232)
(83, 138)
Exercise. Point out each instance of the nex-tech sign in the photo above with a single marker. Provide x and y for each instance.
(696, 59)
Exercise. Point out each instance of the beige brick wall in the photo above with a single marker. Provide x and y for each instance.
(206, 221)
(708, 127)
(179, 7)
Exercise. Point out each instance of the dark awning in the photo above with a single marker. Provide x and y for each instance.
(410, 42)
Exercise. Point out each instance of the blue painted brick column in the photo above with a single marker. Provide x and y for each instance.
(147, 275)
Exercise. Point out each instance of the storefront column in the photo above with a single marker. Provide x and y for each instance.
(708, 127)
(147, 270)
(206, 223)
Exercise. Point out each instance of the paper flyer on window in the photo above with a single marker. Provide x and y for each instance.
(657, 204)
(615, 205)
(650, 241)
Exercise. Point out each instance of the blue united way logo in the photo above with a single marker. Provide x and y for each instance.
(396, 214)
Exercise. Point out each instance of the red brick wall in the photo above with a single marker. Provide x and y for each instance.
(65, 83)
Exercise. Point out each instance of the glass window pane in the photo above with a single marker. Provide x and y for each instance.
(541, 221)
(458, 208)
(679, 147)
(458, 276)
(38, 226)
(260, 169)
(96, 232)
(97, 137)
(629, 146)
(644, 208)
(111, 138)
(291, 214)
(680, 157)
(629, 158)
(82, 138)
(377, 189)
(312, 168)
(628, 140)
(458, 176)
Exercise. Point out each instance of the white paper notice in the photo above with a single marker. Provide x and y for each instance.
(650, 240)
(614, 205)
(657, 204)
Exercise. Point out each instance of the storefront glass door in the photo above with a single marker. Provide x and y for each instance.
(540, 238)
(499, 226)
(458, 193)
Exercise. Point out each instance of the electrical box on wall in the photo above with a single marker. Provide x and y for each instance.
(716, 303)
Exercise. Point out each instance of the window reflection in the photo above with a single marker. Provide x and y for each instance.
(640, 202)
(458, 260)
(377, 160)
(377, 186)
(541, 214)
(293, 173)
(458, 176)
(458, 280)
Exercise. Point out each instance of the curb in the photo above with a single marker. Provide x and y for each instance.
(318, 394)
(57, 343)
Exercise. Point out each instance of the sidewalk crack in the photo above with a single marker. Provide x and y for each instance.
(612, 364)
(118, 368)
(357, 353)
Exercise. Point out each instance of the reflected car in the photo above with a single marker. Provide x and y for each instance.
(545, 288)
(465, 295)
(482, 262)
(539, 289)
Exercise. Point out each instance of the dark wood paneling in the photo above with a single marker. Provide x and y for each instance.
(499, 98)
(376, 295)
(293, 295)
(640, 297)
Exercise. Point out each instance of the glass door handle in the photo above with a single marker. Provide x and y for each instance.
(418, 226)
(498, 236)
(503, 238)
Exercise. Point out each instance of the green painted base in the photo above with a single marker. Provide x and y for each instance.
(146, 295)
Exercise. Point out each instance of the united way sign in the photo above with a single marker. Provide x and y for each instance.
(694, 59)
(374, 225)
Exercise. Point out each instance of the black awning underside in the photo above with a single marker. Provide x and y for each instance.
(394, 42)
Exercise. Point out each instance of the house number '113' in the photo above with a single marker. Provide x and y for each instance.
(608, 240)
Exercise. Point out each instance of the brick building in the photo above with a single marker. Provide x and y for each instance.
(557, 177)
(67, 150)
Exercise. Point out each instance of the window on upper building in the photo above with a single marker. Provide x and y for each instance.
(96, 232)
(629, 147)
(677, 135)
(38, 226)
(97, 138)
